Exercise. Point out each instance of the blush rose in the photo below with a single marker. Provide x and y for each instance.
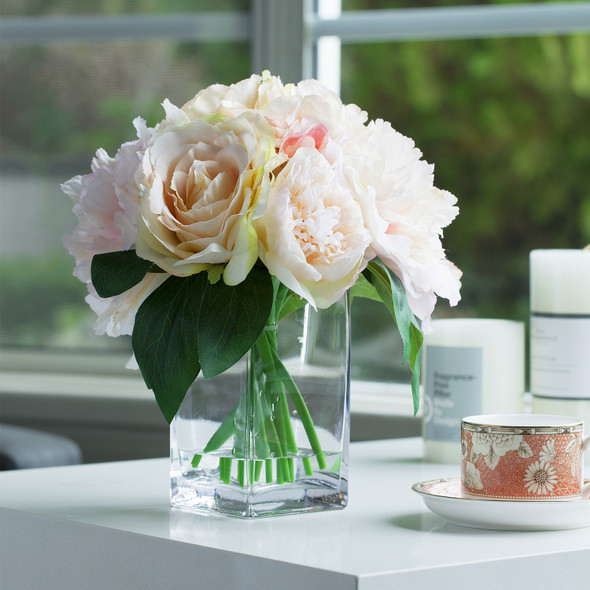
(201, 182)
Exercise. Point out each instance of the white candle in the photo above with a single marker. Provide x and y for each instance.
(560, 281)
(560, 332)
(470, 365)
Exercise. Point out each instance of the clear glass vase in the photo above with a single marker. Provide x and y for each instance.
(270, 435)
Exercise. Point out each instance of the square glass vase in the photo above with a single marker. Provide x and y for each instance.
(270, 436)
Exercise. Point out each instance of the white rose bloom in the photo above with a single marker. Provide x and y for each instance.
(312, 235)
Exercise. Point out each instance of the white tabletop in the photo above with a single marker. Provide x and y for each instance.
(110, 525)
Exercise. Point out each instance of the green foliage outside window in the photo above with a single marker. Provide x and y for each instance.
(505, 120)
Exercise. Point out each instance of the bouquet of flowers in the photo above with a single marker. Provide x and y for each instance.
(244, 204)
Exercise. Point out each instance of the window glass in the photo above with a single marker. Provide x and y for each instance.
(506, 123)
(503, 120)
(59, 103)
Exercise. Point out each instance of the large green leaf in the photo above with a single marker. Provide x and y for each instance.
(230, 320)
(165, 339)
(392, 293)
(114, 273)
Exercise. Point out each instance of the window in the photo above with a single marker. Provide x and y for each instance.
(497, 95)
(74, 76)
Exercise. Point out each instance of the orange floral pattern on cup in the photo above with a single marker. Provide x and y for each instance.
(512, 466)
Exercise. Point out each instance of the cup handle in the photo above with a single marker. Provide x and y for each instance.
(586, 488)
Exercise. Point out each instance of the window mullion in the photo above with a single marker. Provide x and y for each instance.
(198, 27)
(502, 20)
(280, 39)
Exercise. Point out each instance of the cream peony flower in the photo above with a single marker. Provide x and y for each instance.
(405, 214)
(312, 235)
(201, 182)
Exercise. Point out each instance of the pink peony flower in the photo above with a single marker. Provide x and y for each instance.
(106, 203)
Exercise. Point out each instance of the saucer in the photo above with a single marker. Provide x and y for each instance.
(445, 498)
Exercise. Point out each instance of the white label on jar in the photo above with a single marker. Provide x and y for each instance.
(453, 390)
(560, 356)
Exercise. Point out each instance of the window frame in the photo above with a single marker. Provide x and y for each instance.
(313, 30)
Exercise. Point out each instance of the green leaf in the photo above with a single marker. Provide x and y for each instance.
(292, 303)
(231, 318)
(392, 293)
(114, 273)
(363, 288)
(416, 380)
(165, 339)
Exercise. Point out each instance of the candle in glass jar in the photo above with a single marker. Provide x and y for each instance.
(470, 365)
(560, 331)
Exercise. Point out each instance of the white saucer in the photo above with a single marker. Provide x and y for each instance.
(444, 497)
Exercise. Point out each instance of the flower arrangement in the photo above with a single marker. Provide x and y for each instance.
(244, 204)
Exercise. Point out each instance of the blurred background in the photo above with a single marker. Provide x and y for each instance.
(501, 107)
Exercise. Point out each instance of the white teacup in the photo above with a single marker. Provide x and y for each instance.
(523, 457)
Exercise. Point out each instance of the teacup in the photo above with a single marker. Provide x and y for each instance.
(523, 457)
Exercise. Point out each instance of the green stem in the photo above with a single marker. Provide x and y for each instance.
(273, 423)
(223, 433)
(307, 466)
(287, 429)
(286, 419)
(261, 443)
(257, 469)
(287, 471)
(225, 469)
(241, 472)
(272, 438)
(302, 410)
(275, 392)
(273, 429)
(220, 436)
